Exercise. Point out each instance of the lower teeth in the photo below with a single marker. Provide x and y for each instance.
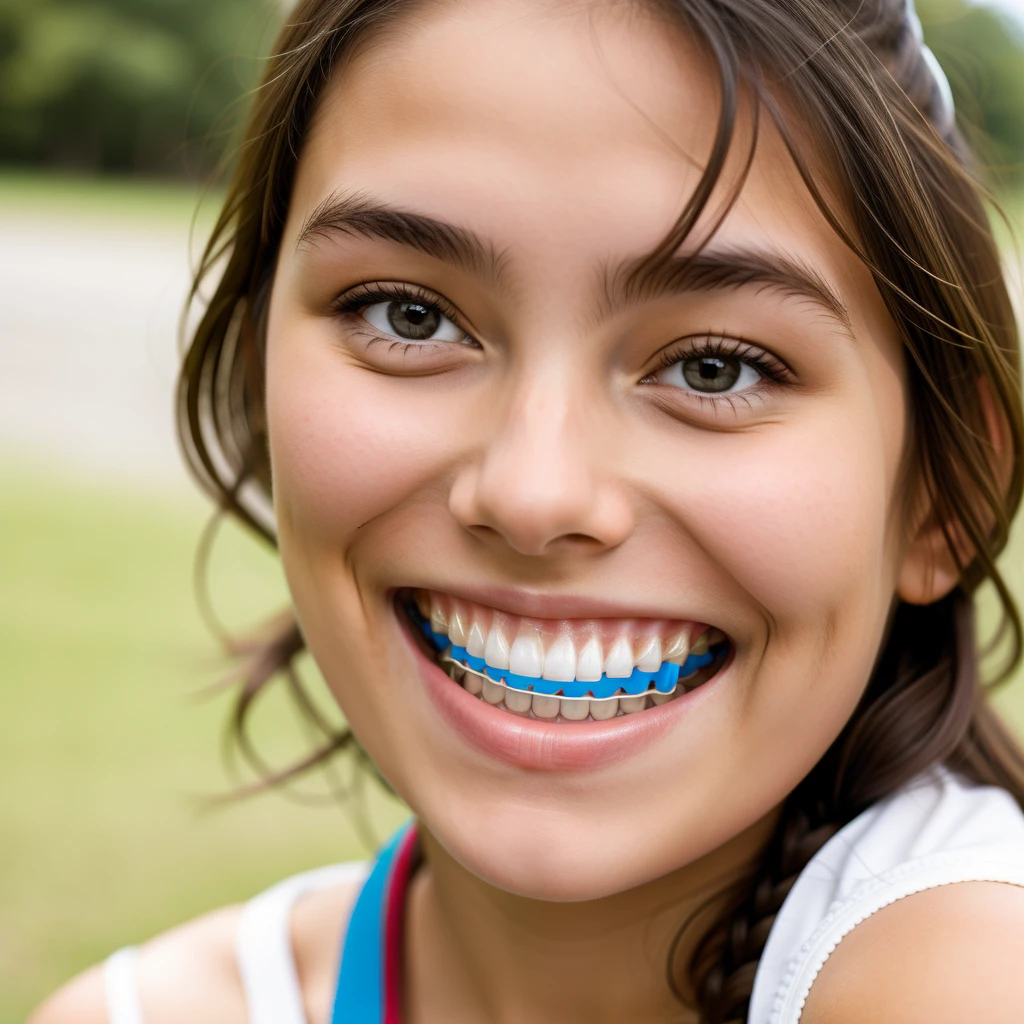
(546, 708)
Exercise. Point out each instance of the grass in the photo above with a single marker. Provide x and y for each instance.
(106, 753)
(151, 202)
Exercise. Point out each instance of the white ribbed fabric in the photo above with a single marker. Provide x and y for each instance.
(937, 830)
(263, 944)
(121, 987)
(262, 947)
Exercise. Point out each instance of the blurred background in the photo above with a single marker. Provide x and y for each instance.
(114, 116)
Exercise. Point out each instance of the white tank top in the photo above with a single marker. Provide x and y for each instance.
(936, 830)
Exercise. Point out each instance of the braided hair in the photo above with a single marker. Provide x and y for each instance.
(923, 703)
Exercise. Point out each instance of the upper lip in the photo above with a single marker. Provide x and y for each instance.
(538, 604)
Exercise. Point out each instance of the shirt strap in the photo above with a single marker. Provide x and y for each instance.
(369, 978)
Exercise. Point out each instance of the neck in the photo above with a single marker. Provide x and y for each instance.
(475, 952)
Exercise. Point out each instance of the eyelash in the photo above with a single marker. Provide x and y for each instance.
(380, 291)
(772, 369)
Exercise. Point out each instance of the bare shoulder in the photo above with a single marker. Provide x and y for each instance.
(317, 926)
(948, 954)
(188, 973)
(191, 973)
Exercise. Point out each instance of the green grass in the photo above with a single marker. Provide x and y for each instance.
(152, 202)
(105, 752)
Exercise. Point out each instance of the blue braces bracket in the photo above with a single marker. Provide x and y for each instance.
(662, 681)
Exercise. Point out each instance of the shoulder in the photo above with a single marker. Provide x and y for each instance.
(188, 973)
(317, 925)
(191, 972)
(946, 954)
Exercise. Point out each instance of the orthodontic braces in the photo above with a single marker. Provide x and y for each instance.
(446, 657)
(663, 682)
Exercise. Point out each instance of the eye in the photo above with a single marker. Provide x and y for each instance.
(412, 320)
(709, 374)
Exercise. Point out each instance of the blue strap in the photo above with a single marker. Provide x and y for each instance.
(359, 997)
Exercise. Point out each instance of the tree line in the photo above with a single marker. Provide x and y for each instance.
(159, 86)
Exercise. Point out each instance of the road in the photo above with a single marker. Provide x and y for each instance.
(88, 349)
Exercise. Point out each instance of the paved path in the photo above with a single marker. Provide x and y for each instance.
(88, 344)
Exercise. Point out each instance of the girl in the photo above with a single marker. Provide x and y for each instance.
(636, 390)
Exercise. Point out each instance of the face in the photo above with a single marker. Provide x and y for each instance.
(479, 417)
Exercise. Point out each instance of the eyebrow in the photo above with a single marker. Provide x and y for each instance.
(723, 269)
(629, 283)
(358, 214)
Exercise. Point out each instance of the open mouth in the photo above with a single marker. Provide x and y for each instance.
(570, 670)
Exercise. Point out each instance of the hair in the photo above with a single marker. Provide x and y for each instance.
(909, 206)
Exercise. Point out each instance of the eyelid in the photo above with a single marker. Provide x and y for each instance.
(366, 293)
(771, 366)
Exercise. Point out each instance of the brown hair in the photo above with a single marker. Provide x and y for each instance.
(853, 71)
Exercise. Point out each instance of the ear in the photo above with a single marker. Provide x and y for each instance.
(929, 570)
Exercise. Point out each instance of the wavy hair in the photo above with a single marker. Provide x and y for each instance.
(855, 73)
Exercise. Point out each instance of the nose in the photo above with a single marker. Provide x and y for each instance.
(544, 481)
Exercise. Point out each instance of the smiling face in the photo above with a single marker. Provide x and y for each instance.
(470, 414)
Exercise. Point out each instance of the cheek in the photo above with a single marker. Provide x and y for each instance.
(343, 451)
(797, 521)
(801, 518)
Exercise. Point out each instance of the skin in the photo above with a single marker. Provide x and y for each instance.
(550, 457)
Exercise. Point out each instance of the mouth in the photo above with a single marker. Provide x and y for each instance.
(568, 670)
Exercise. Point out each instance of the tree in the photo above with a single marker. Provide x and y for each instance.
(126, 85)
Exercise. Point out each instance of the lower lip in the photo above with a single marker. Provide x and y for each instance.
(542, 746)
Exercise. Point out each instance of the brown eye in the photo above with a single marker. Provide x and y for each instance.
(710, 374)
(412, 320)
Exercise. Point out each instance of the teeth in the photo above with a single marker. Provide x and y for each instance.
(715, 636)
(591, 661)
(494, 693)
(423, 603)
(527, 658)
(602, 710)
(518, 700)
(677, 650)
(620, 660)
(649, 658)
(560, 663)
(496, 650)
(476, 641)
(575, 710)
(544, 707)
(700, 645)
(457, 629)
(438, 622)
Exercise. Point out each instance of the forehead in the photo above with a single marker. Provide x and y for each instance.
(577, 129)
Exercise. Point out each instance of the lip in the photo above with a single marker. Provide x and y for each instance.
(539, 746)
(535, 604)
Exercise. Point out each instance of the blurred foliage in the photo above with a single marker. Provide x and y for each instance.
(127, 85)
(156, 86)
(982, 52)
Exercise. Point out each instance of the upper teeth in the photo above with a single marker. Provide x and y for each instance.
(577, 651)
